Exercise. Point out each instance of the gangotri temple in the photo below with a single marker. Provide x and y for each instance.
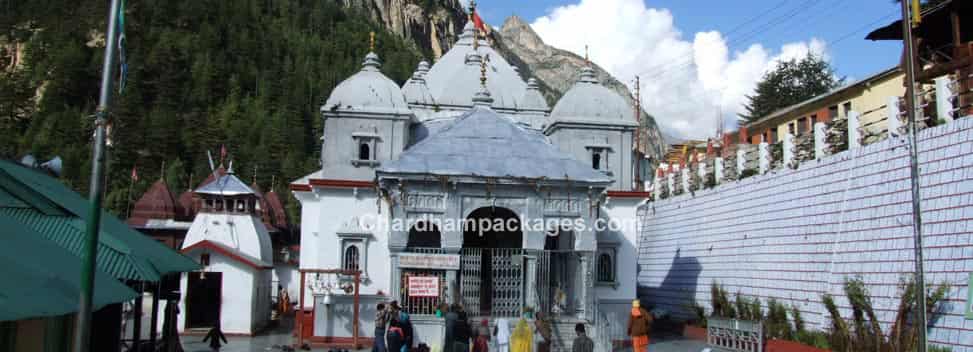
(406, 170)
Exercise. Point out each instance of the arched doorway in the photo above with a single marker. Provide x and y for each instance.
(492, 273)
(424, 234)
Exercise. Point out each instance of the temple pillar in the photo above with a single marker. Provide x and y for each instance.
(531, 283)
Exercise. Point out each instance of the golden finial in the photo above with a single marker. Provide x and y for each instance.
(472, 9)
(587, 61)
(483, 78)
(371, 41)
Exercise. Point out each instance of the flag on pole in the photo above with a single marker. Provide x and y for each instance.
(135, 174)
(123, 64)
(478, 23)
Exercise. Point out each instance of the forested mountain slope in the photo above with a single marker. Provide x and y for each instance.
(247, 73)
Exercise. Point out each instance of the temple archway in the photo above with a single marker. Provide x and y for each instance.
(492, 227)
(424, 234)
(492, 275)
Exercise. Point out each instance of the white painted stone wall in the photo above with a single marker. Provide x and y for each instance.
(615, 301)
(238, 296)
(797, 234)
(323, 213)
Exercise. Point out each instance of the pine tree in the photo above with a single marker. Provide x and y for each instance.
(791, 82)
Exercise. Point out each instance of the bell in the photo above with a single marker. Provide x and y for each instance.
(327, 299)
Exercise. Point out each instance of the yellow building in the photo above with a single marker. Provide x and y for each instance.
(868, 97)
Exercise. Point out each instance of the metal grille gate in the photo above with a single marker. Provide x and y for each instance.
(470, 268)
(507, 269)
(492, 281)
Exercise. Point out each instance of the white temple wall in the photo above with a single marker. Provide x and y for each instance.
(323, 215)
(615, 301)
(242, 232)
(579, 141)
(237, 314)
(794, 235)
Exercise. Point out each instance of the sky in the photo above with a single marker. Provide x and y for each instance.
(699, 59)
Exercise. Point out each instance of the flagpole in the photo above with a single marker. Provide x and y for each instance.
(128, 204)
(910, 91)
(82, 332)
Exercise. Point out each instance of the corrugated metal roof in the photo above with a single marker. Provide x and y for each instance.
(484, 144)
(122, 251)
(42, 279)
(226, 185)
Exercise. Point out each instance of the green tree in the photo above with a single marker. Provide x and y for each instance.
(791, 82)
(250, 74)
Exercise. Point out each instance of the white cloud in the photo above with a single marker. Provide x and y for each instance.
(685, 83)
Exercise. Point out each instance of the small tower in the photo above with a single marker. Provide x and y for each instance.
(228, 238)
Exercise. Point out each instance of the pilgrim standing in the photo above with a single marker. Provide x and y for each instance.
(582, 343)
(502, 333)
(639, 327)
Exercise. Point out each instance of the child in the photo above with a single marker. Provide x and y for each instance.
(214, 336)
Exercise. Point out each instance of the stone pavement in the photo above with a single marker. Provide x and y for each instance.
(270, 341)
(674, 343)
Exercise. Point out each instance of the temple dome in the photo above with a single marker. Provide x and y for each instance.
(504, 81)
(532, 99)
(589, 101)
(368, 91)
(415, 90)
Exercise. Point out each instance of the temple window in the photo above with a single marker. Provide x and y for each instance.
(606, 266)
(351, 258)
(366, 152)
(599, 157)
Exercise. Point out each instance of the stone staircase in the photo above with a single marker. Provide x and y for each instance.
(562, 332)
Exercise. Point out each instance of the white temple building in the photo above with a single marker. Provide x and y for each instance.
(468, 139)
(228, 238)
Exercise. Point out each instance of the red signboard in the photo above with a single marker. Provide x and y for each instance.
(423, 286)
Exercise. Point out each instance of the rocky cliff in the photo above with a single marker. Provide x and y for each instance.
(432, 24)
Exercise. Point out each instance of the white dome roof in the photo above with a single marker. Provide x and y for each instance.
(415, 90)
(446, 74)
(589, 101)
(368, 91)
(532, 99)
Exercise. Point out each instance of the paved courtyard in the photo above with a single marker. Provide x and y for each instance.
(274, 339)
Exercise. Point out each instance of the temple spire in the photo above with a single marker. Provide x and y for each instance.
(483, 97)
(587, 60)
(371, 41)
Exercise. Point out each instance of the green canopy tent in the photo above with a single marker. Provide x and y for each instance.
(41, 279)
(58, 214)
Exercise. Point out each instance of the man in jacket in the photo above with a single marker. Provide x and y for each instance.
(639, 327)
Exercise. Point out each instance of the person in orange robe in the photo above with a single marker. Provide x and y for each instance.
(639, 327)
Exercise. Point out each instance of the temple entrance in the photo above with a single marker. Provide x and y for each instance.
(492, 263)
(203, 299)
(562, 268)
